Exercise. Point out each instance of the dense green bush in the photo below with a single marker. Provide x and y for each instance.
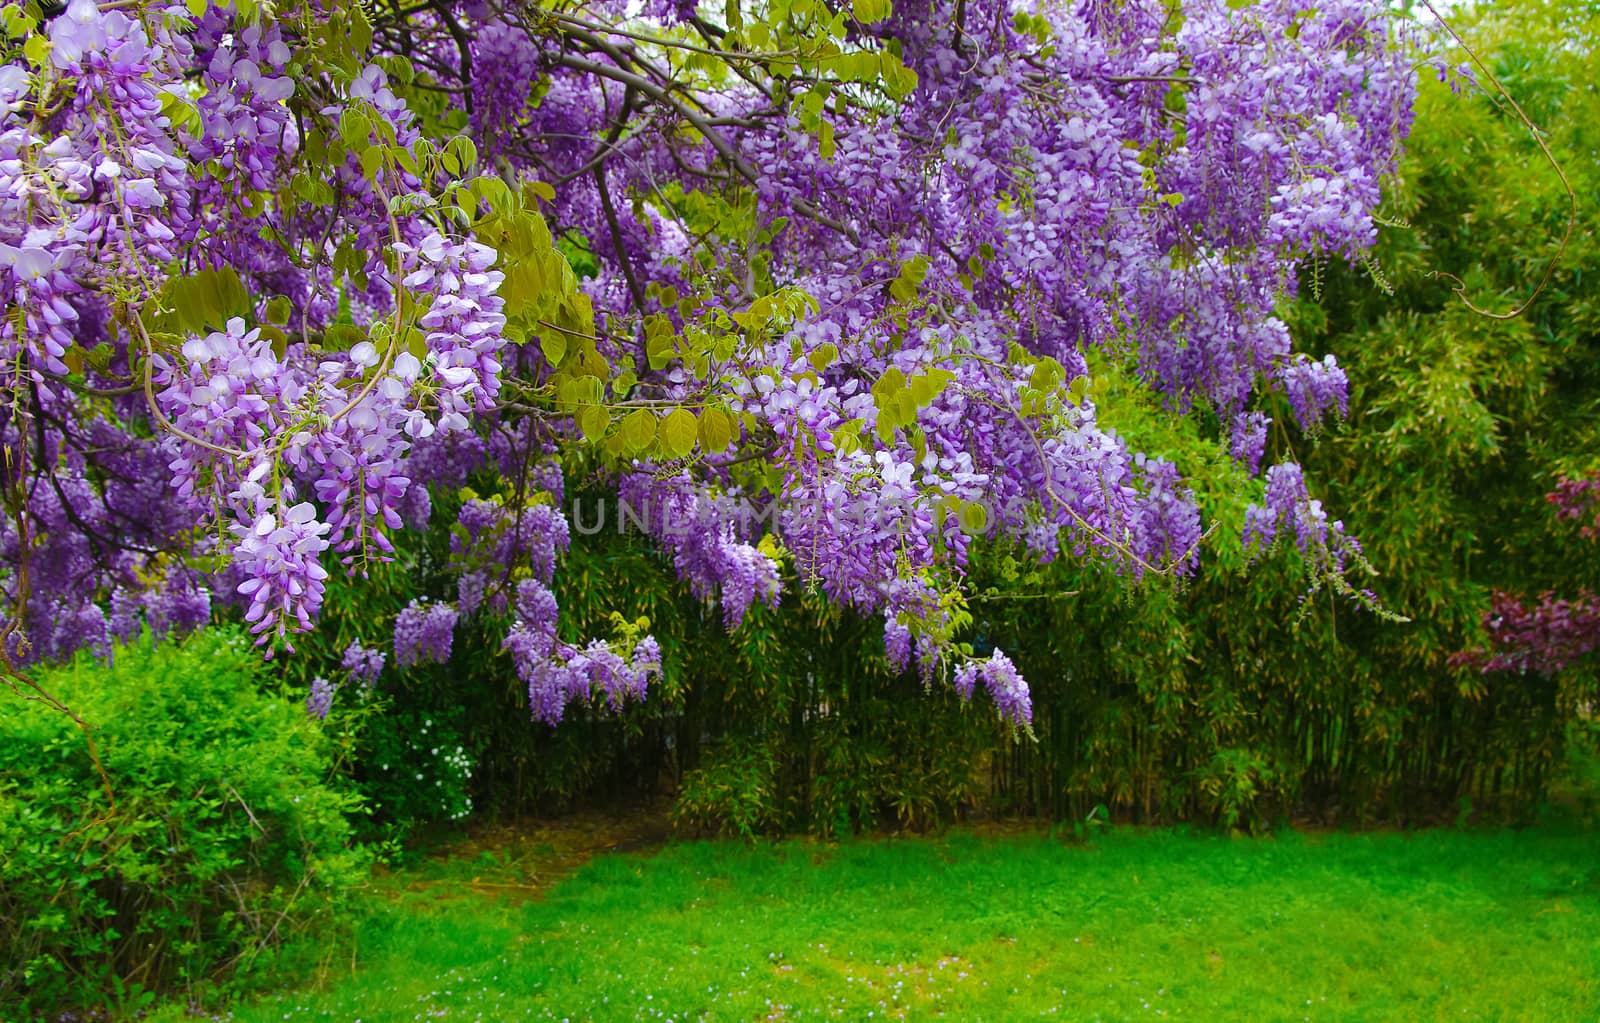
(224, 840)
(418, 769)
(1224, 701)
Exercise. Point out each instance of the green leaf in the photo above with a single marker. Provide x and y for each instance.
(341, 337)
(891, 393)
(927, 386)
(869, 11)
(415, 342)
(660, 348)
(912, 273)
(847, 438)
(974, 518)
(1047, 375)
(278, 309)
(638, 430)
(553, 344)
(594, 421)
(37, 50)
(583, 390)
(716, 430)
(204, 299)
(460, 155)
(678, 432)
(17, 21)
(899, 79)
(371, 162)
(360, 37)
(355, 130)
(1080, 387)
(823, 356)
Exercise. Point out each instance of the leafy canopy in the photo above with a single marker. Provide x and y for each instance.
(815, 291)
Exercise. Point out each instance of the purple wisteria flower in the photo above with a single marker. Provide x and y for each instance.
(424, 632)
(364, 664)
(320, 700)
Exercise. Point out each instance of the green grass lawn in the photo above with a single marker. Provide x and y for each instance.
(1441, 925)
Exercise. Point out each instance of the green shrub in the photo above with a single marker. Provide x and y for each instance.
(224, 840)
(733, 790)
(417, 768)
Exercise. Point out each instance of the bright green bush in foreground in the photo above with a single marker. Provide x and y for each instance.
(224, 840)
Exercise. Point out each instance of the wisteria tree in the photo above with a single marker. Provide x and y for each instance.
(814, 288)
